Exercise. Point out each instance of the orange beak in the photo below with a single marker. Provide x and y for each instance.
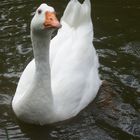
(51, 21)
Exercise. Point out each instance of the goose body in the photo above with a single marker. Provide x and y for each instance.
(63, 78)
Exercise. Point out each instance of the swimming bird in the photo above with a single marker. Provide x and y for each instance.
(63, 77)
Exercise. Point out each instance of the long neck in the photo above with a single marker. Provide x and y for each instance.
(41, 85)
(41, 46)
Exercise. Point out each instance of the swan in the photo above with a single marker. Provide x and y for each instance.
(63, 78)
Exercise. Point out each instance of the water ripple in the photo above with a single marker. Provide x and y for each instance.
(132, 48)
(5, 99)
(117, 43)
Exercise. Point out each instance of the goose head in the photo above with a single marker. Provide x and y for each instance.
(44, 20)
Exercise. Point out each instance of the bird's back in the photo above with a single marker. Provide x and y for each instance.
(74, 62)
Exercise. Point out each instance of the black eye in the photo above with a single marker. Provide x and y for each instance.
(39, 11)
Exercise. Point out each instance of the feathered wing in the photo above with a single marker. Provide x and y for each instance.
(25, 81)
(76, 17)
(74, 62)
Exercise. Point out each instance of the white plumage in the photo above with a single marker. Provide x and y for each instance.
(63, 78)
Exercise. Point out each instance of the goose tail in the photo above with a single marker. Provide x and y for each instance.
(77, 14)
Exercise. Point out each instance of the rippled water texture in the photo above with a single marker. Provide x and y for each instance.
(117, 40)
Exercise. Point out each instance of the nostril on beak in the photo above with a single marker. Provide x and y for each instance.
(51, 19)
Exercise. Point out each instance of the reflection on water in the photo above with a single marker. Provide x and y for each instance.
(117, 31)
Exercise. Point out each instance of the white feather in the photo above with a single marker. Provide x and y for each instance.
(74, 72)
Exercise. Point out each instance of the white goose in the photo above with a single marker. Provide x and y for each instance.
(63, 78)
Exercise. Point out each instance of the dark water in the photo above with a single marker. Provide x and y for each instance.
(117, 40)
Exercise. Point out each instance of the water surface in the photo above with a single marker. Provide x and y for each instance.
(117, 40)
